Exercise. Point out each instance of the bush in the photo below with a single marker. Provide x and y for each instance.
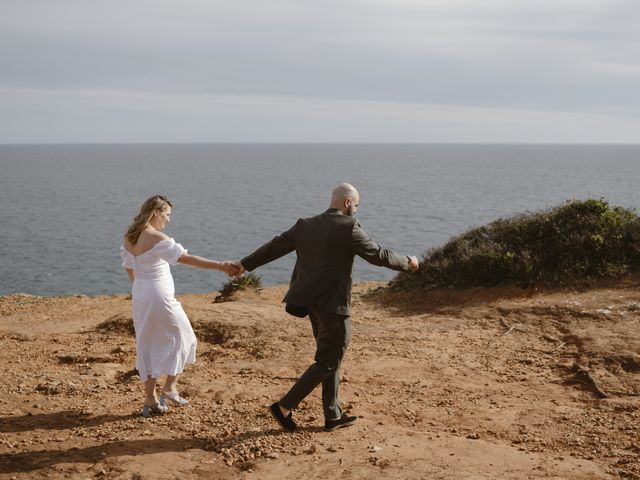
(580, 240)
(250, 280)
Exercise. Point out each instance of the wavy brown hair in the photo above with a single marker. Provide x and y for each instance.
(141, 221)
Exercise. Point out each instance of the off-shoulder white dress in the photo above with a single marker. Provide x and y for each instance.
(165, 341)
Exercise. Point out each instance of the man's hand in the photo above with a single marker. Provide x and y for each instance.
(239, 269)
(230, 268)
(414, 264)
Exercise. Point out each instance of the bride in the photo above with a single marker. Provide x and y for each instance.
(165, 341)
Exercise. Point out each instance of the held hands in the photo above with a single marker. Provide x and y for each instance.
(240, 270)
(414, 264)
(231, 268)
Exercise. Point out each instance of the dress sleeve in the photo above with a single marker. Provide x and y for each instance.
(128, 261)
(169, 251)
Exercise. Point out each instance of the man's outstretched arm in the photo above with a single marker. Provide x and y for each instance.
(373, 253)
(270, 251)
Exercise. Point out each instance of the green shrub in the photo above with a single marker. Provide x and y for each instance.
(580, 240)
(250, 280)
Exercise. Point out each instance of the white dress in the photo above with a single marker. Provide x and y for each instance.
(165, 341)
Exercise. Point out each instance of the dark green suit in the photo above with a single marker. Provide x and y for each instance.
(325, 245)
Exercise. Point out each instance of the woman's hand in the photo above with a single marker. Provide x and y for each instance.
(230, 268)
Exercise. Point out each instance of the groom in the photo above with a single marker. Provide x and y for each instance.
(321, 288)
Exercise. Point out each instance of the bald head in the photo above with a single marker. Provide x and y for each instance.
(345, 198)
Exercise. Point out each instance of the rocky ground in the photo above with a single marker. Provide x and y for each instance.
(478, 384)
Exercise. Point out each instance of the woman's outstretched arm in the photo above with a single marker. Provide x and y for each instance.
(227, 267)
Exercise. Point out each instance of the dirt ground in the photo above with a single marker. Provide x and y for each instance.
(478, 384)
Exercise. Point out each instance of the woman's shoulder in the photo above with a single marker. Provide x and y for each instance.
(156, 236)
(149, 239)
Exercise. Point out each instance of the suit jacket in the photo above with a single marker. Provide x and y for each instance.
(325, 246)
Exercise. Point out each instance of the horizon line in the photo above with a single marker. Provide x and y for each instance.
(7, 144)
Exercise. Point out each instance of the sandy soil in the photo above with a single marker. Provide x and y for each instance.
(478, 384)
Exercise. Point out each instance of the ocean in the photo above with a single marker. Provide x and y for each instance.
(64, 208)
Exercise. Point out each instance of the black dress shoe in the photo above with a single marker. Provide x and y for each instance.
(285, 422)
(344, 421)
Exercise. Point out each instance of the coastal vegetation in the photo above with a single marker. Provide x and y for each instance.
(575, 242)
(250, 281)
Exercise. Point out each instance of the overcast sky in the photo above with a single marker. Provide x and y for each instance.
(76, 71)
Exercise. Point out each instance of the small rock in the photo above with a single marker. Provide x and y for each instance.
(23, 337)
(272, 455)
(375, 449)
(633, 307)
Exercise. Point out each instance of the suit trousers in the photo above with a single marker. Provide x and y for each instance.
(332, 333)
